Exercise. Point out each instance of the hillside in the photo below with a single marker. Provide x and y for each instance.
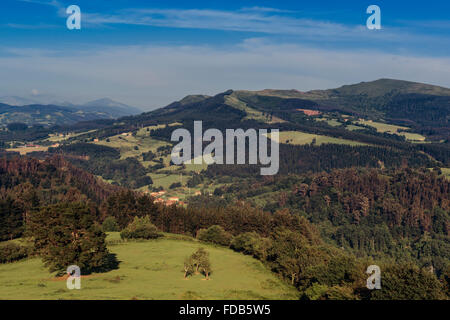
(64, 114)
(151, 270)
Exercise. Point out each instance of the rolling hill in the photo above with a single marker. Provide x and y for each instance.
(62, 114)
(151, 270)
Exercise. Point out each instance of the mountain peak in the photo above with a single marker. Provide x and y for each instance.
(383, 86)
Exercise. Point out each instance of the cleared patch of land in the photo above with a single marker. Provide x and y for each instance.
(446, 172)
(331, 122)
(301, 138)
(24, 150)
(132, 146)
(151, 270)
(392, 129)
(252, 114)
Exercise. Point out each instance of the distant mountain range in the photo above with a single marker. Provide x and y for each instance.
(30, 111)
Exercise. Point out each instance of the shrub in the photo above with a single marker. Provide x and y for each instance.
(251, 243)
(110, 225)
(13, 252)
(140, 228)
(175, 185)
(215, 234)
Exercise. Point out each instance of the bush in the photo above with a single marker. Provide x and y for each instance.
(251, 243)
(13, 252)
(175, 185)
(110, 225)
(141, 228)
(215, 234)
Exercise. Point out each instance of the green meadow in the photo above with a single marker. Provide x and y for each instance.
(393, 129)
(151, 270)
(300, 138)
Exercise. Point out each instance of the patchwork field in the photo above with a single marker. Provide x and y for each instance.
(127, 144)
(151, 270)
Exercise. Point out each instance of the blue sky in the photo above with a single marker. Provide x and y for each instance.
(149, 53)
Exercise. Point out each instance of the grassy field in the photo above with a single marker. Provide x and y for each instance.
(300, 138)
(165, 180)
(126, 145)
(331, 122)
(393, 129)
(446, 172)
(25, 150)
(150, 270)
(252, 114)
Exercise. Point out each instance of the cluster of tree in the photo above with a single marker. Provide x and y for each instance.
(141, 228)
(235, 218)
(105, 161)
(197, 263)
(11, 252)
(67, 234)
(19, 133)
(401, 214)
(215, 234)
(301, 159)
(27, 184)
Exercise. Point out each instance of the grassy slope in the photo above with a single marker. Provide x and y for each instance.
(151, 270)
(393, 129)
(300, 138)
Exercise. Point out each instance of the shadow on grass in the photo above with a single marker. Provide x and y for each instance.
(111, 263)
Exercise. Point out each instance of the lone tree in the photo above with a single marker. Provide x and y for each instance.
(197, 257)
(66, 234)
(205, 267)
(198, 262)
(188, 267)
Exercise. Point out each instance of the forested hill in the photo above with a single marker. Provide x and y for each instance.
(400, 214)
(423, 108)
(49, 181)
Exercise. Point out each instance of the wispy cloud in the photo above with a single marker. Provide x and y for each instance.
(52, 3)
(29, 26)
(256, 20)
(272, 22)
